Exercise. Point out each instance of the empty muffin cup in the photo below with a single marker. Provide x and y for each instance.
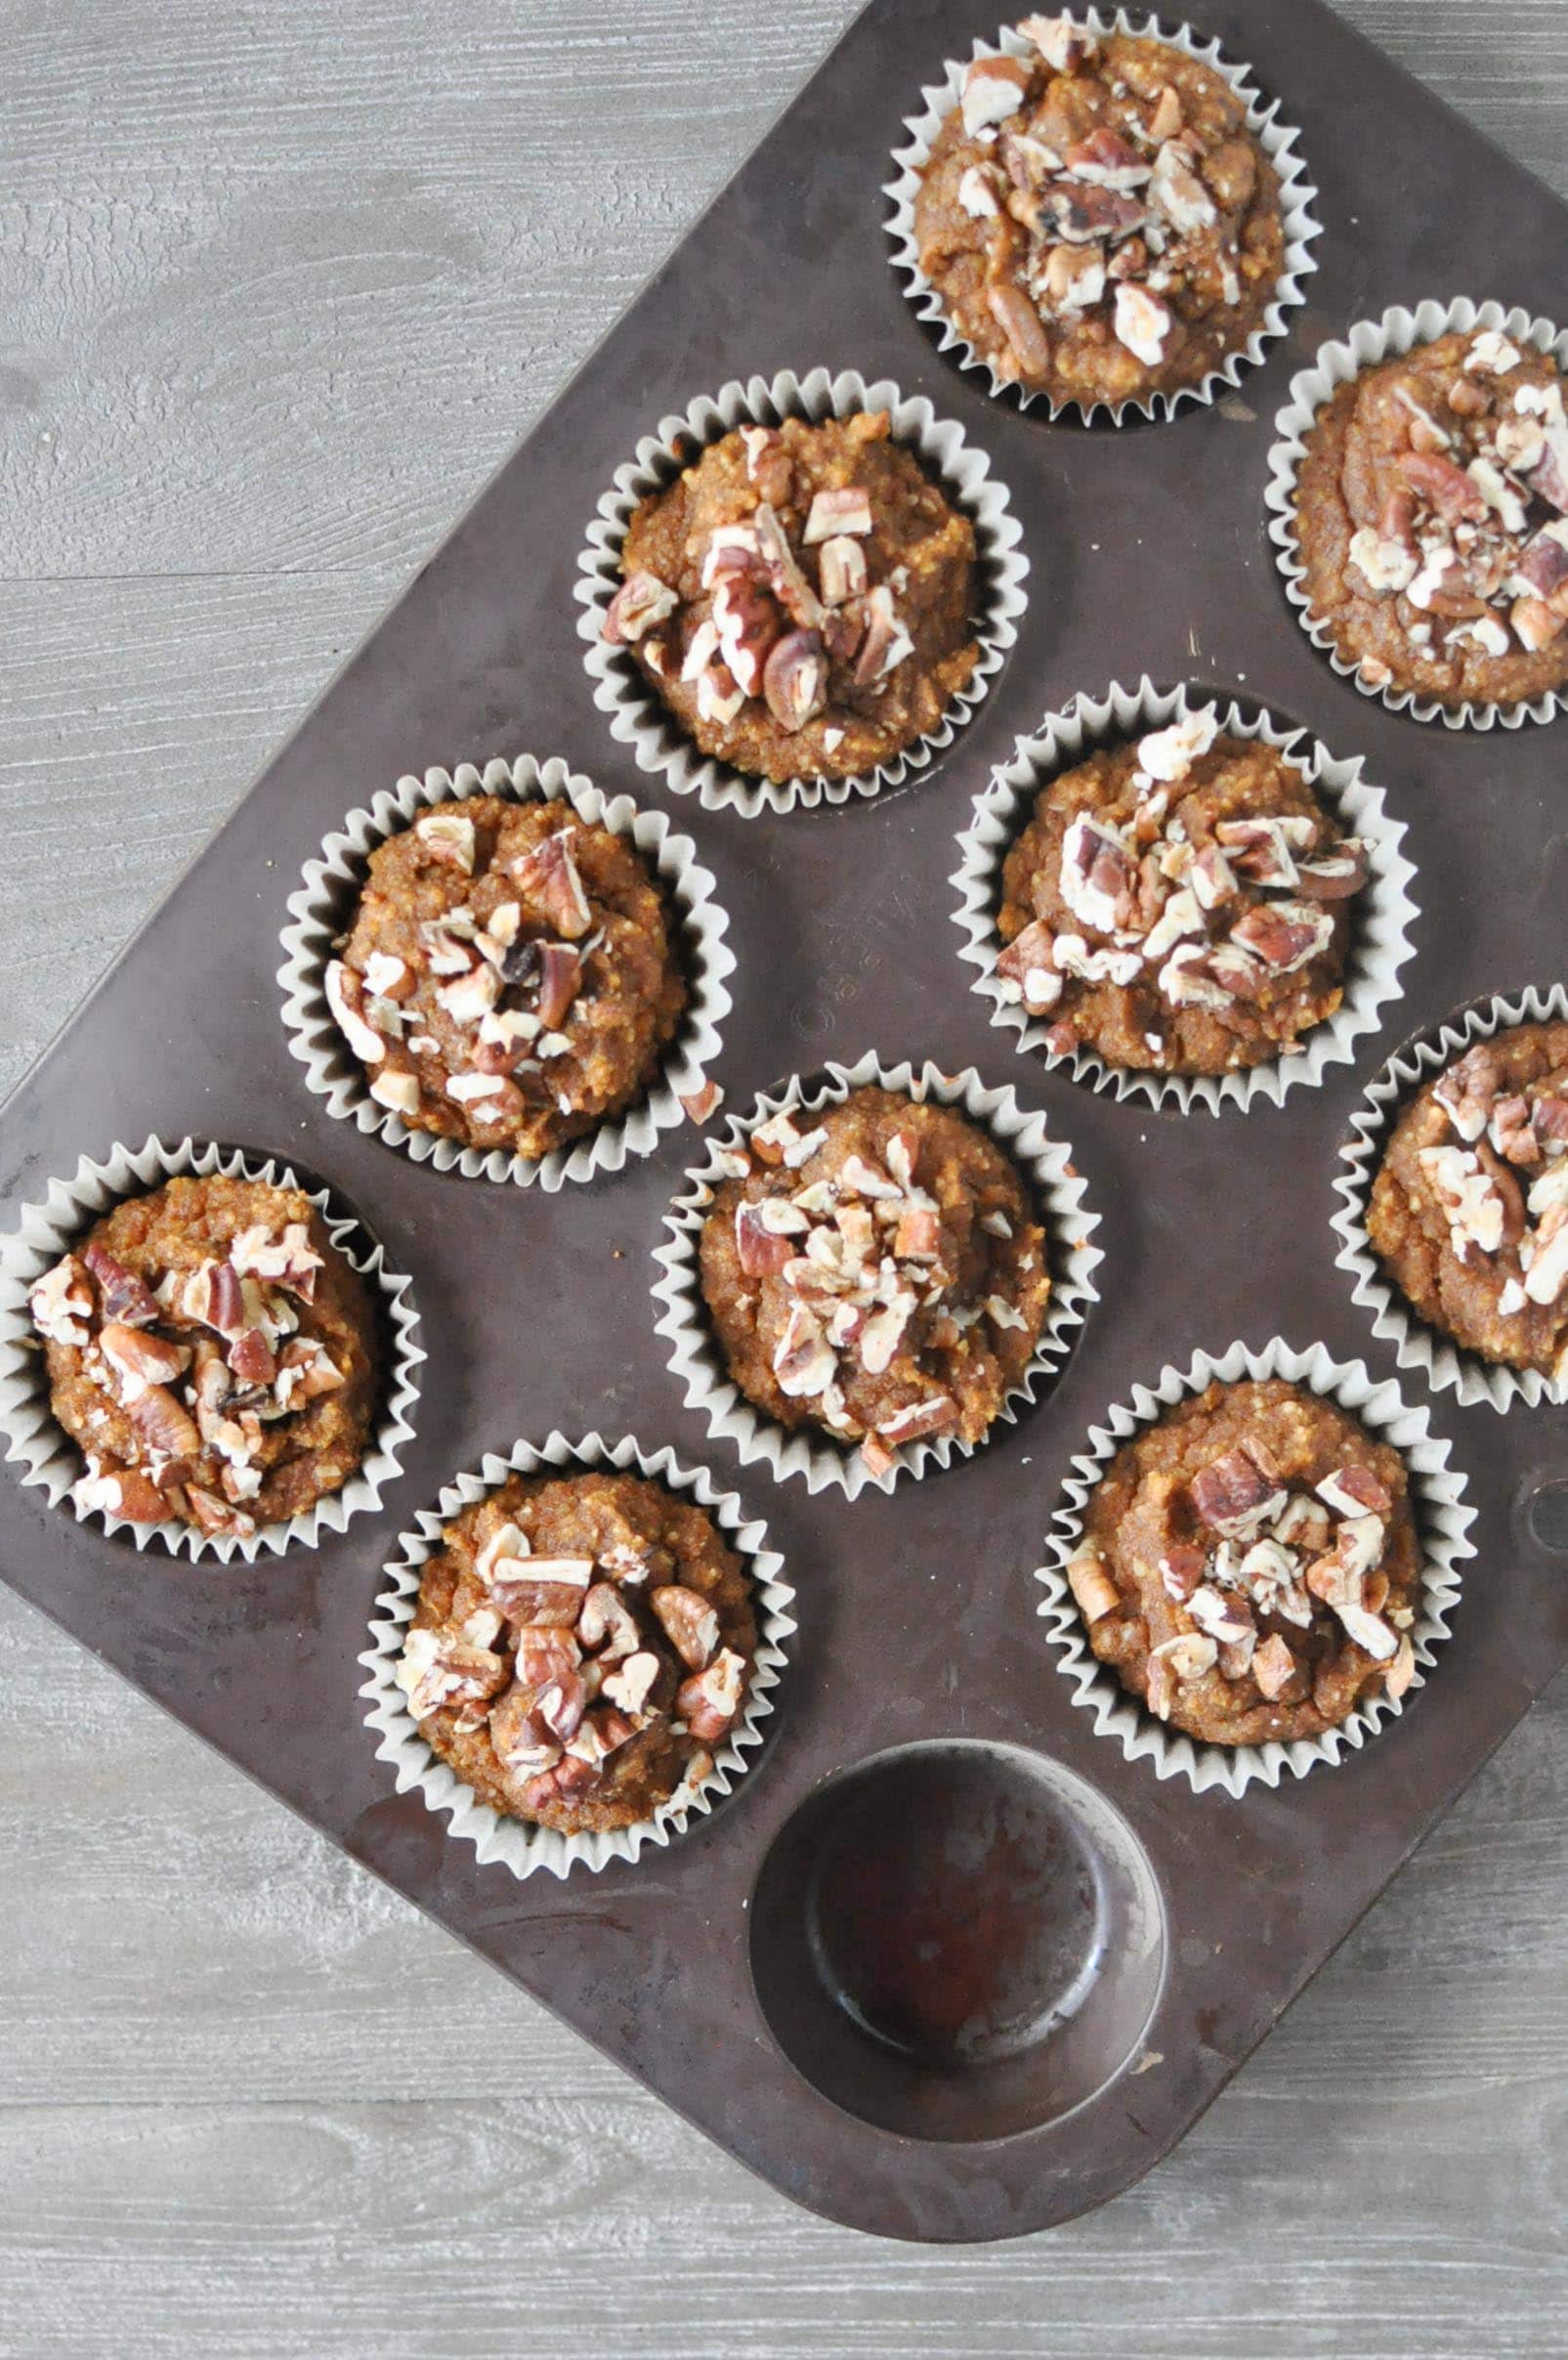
(957, 1940)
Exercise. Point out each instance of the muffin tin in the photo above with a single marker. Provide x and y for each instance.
(1077, 1955)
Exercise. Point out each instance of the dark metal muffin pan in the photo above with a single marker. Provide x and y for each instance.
(1170, 1930)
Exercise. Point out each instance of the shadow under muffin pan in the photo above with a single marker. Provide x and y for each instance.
(1105, 1946)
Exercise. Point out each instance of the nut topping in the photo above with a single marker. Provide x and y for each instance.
(548, 874)
(449, 835)
(639, 606)
(993, 89)
(689, 1622)
(794, 679)
(710, 1699)
(345, 997)
(62, 1303)
(1234, 1496)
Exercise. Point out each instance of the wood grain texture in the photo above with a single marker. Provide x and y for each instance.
(278, 287)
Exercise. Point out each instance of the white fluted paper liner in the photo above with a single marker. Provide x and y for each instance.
(638, 716)
(45, 1455)
(523, 1848)
(1442, 1527)
(322, 909)
(1298, 196)
(1446, 1366)
(1369, 343)
(1060, 1196)
(1380, 930)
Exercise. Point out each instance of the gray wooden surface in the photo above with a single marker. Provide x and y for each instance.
(279, 284)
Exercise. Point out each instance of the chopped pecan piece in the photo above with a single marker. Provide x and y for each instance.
(138, 1359)
(762, 1250)
(548, 874)
(994, 88)
(345, 997)
(560, 981)
(794, 679)
(1092, 1587)
(919, 1421)
(1233, 1495)
(1274, 1667)
(125, 1298)
(1027, 964)
(1443, 486)
(544, 1651)
(1284, 935)
(164, 1424)
(847, 511)
(62, 1303)
(641, 603)
(1020, 323)
(789, 583)
(688, 1621)
(634, 1681)
(710, 1699)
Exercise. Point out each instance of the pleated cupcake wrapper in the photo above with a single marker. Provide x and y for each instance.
(1059, 1193)
(321, 912)
(44, 1454)
(1298, 198)
(1446, 1366)
(1442, 1521)
(639, 716)
(1379, 938)
(524, 1849)
(1369, 344)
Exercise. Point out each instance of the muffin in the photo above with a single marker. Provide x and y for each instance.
(876, 1271)
(1181, 904)
(213, 1355)
(511, 976)
(579, 1646)
(1250, 1567)
(801, 598)
(1469, 1209)
(1097, 220)
(1431, 516)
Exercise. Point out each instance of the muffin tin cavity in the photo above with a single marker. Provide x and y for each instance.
(957, 1940)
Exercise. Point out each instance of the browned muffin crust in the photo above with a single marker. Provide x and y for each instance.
(1250, 1567)
(1179, 905)
(512, 976)
(579, 1646)
(1469, 1207)
(875, 1269)
(212, 1354)
(801, 598)
(1431, 514)
(1097, 219)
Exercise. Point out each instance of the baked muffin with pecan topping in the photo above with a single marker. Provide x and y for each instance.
(875, 1269)
(1250, 1567)
(213, 1355)
(511, 978)
(1469, 1207)
(579, 1646)
(1432, 520)
(801, 598)
(1097, 219)
(1180, 905)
